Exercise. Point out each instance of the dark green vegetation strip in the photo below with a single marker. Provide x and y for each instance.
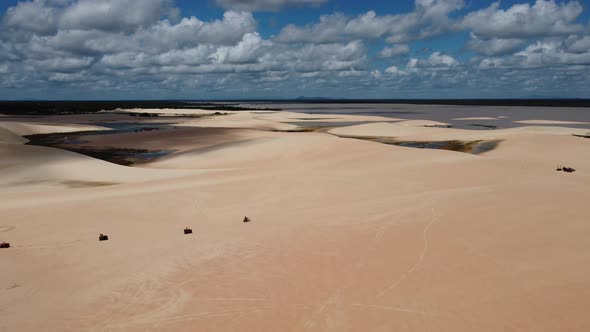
(473, 147)
(80, 107)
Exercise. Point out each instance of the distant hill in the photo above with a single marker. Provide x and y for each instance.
(312, 98)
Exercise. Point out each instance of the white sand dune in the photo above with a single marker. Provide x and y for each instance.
(419, 123)
(280, 150)
(239, 120)
(403, 131)
(167, 111)
(299, 117)
(276, 116)
(346, 234)
(551, 122)
(31, 168)
(475, 118)
(11, 132)
(261, 119)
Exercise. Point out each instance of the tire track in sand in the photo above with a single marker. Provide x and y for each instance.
(396, 282)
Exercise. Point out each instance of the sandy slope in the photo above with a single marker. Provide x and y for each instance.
(475, 118)
(11, 132)
(269, 120)
(347, 235)
(415, 131)
(32, 168)
(553, 122)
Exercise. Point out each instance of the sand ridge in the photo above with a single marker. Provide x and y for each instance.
(33, 168)
(406, 130)
(551, 122)
(475, 118)
(11, 132)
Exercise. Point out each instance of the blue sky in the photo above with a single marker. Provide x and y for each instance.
(166, 49)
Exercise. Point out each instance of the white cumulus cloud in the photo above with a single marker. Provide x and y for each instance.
(494, 46)
(543, 18)
(393, 51)
(141, 48)
(264, 5)
(429, 18)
